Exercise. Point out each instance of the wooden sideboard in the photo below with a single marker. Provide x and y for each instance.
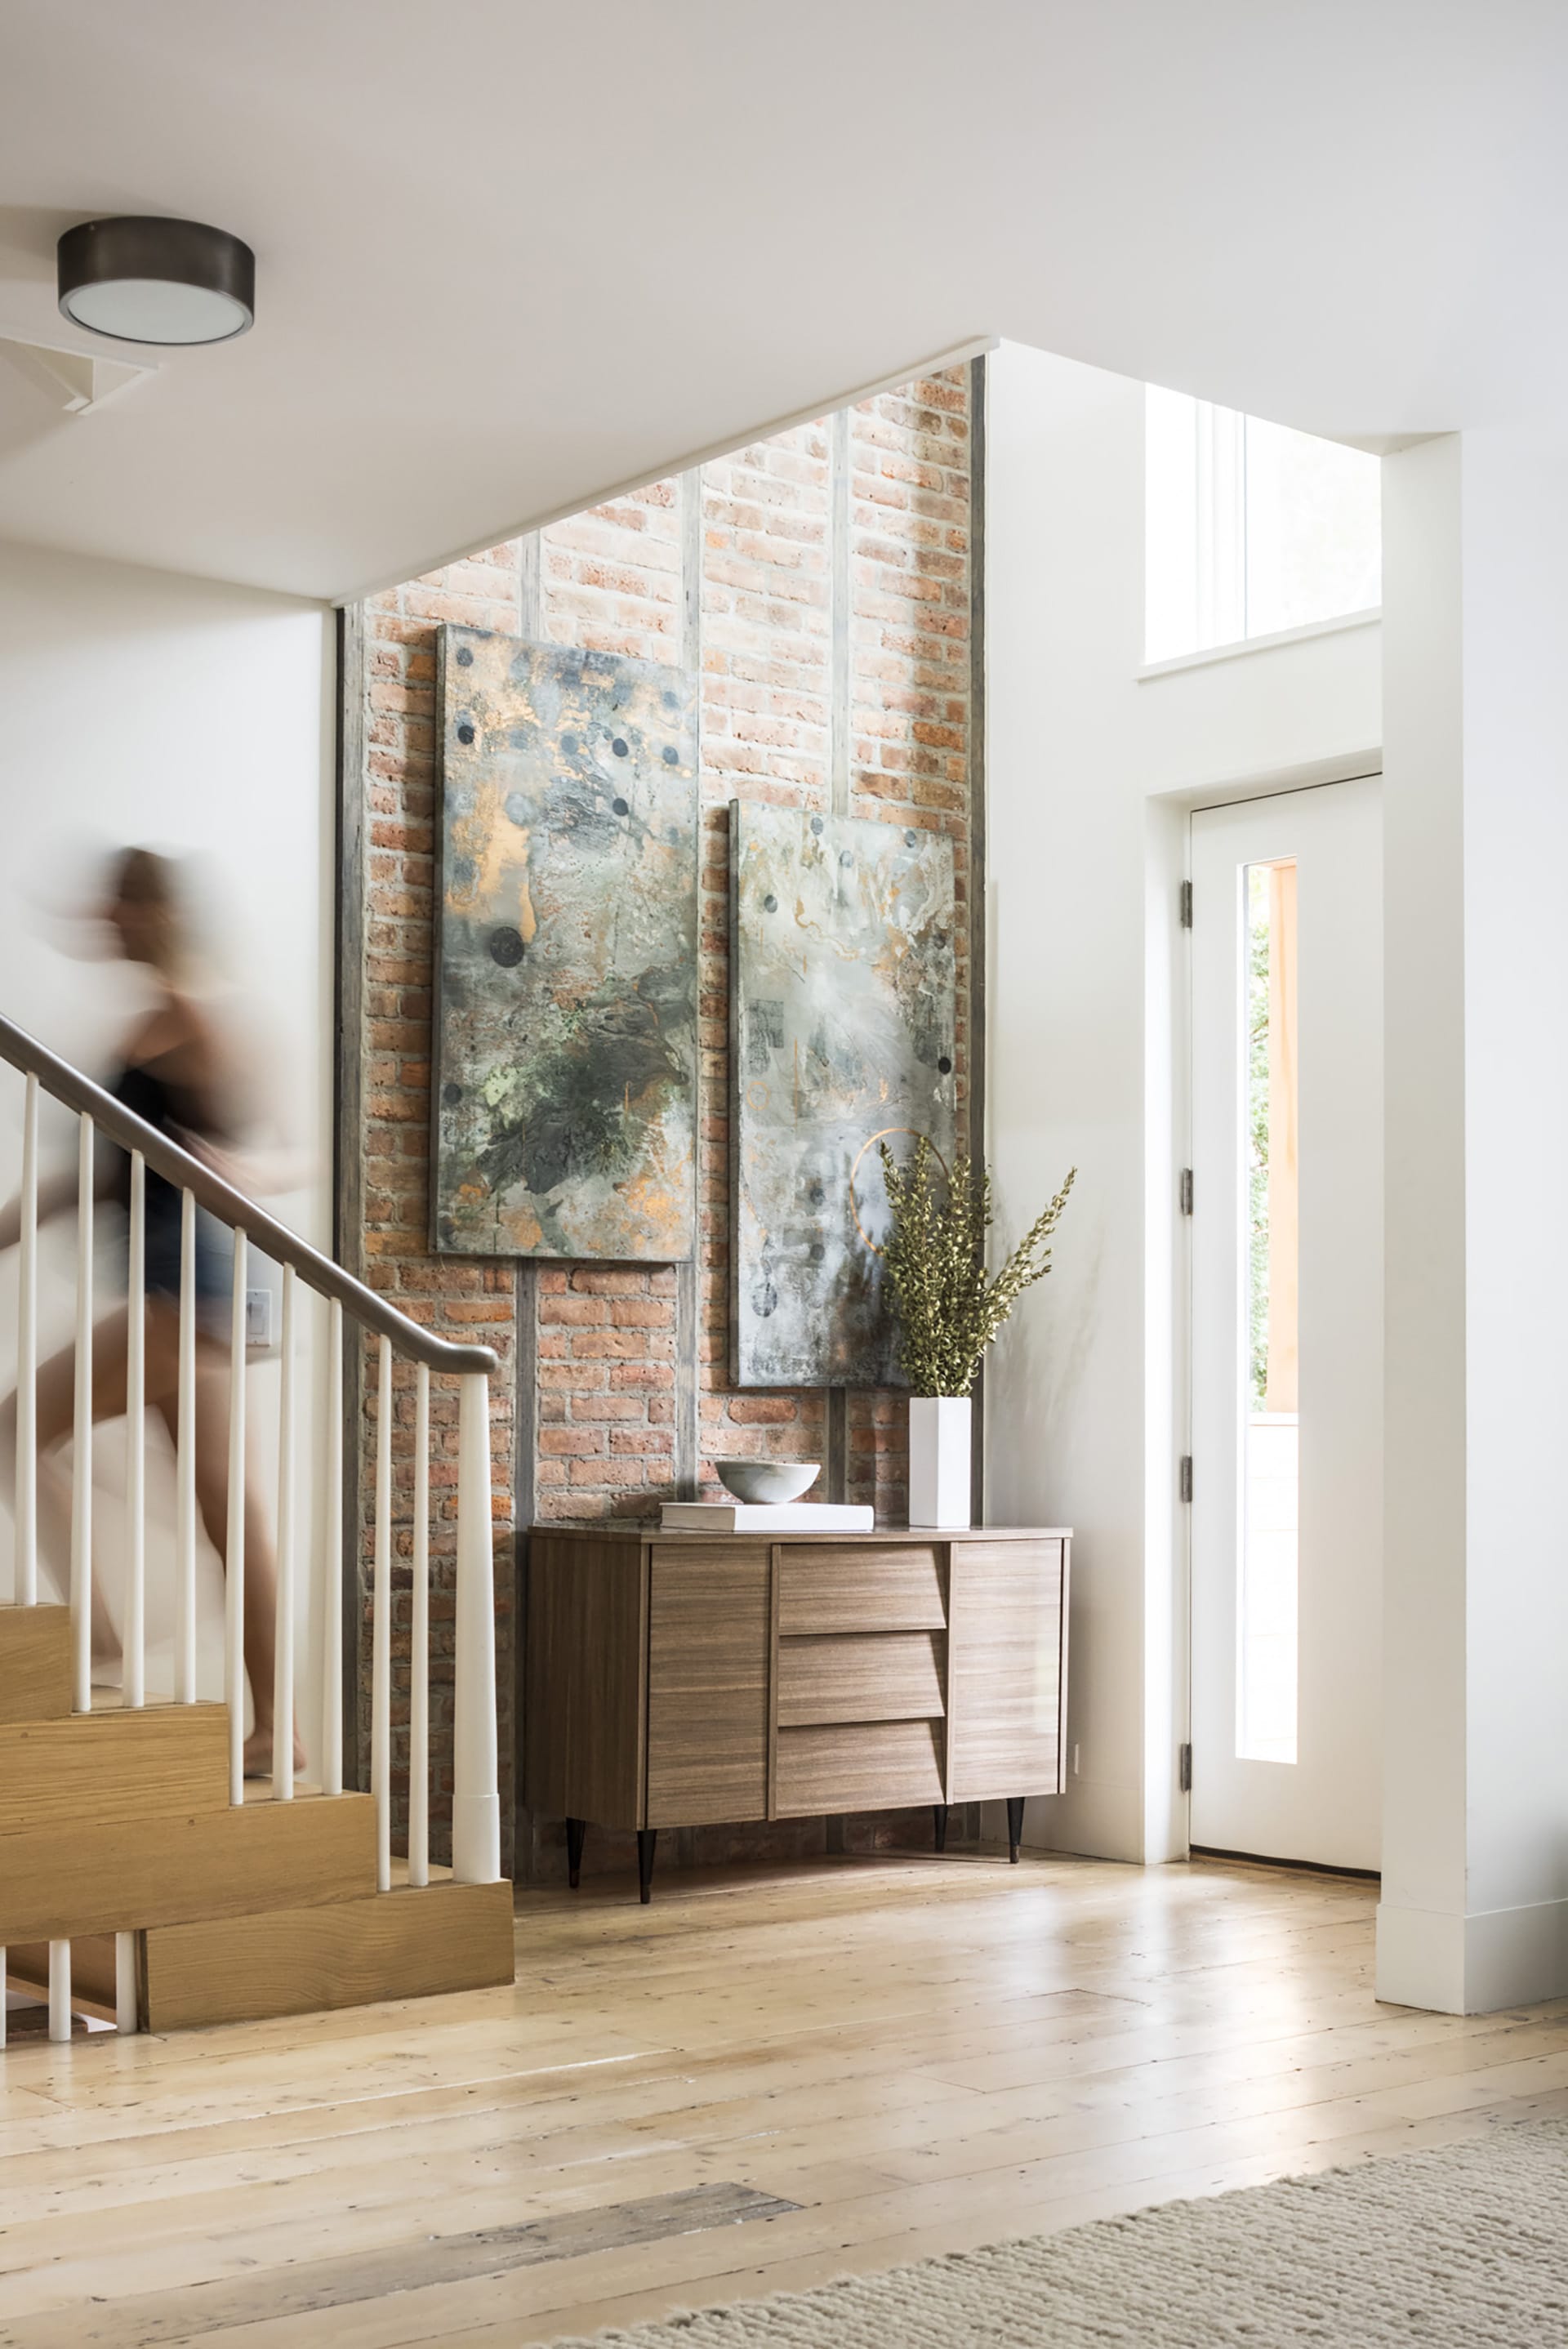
(690, 1680)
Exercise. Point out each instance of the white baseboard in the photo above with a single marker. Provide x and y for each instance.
(1479, 1964)
(1091, 1820)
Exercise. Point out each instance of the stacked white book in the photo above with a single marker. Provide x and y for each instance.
(765, 1517)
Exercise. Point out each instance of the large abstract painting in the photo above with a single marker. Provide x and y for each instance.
(843, 1007)
(567, 980)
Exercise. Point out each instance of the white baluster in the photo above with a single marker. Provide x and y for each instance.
(82, 1435)
(381, 1630)
(127, 2005)
(185, 1465)
(283, 1665)
(234, 1537)
(27, 1584)
(419, 1696)
(332, 1597)
(134, 1680)
(59, 1990)
(475, 1801)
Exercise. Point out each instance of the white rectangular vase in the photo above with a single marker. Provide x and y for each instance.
(939, 1460)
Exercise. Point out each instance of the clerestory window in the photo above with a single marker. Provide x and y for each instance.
(1252, 529)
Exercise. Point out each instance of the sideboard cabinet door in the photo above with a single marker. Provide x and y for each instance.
(709, 1622)
(1008, 1652)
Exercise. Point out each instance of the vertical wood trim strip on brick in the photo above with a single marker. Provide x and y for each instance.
(836, 1403)
(524, 1355)
(688, 1274)
(978, 875)
(525, 1273)
(732, 1118)
(838, 531)
(530, 586)
(348, 1119)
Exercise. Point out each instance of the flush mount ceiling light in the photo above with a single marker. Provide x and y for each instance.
(157, 281)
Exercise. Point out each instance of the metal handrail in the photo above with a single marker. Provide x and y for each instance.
(188, 1173)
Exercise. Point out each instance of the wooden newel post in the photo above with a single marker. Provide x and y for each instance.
(476, 1798)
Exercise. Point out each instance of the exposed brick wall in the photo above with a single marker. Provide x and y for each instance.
(466, 1301)
(614, 580)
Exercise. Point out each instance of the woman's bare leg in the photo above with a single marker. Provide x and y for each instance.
(55, 1420)
(213, 1383)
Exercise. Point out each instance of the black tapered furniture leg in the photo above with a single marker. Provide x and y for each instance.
(575, 1831)
(647, 1844)
(939, 1817)
(1015, 1826)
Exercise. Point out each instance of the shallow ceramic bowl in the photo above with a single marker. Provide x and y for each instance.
(768, 1482)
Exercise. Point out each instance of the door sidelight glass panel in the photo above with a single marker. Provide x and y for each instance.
(1267, 1610)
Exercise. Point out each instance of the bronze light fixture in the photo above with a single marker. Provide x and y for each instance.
(142, 279)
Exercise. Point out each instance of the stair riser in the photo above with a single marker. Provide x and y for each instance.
(92, 1877)
(34, 1663)
(400, 1944)
(112, 1768)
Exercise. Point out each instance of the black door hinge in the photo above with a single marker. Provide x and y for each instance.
(1186, 1190)
(1185, 1768)
(1186, 1475)
(1186, 904)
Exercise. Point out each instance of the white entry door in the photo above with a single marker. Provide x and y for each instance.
(1287, 1325)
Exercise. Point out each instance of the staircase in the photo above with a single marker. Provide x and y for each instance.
(143, 1878)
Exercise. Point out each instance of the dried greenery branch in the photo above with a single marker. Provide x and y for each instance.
(935, 1258)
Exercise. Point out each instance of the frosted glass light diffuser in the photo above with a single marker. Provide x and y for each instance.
(146, 280)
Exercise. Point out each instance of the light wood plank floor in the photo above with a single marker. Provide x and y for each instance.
(760, 2082)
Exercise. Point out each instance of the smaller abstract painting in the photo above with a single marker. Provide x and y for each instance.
(565, 1075)
(843, 1013)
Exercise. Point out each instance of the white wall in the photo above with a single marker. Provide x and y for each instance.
(1090, 772)
(1474, 1912)
(141, 707)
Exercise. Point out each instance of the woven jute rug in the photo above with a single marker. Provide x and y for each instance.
(1461, 2248)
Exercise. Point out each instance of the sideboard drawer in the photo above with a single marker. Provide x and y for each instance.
(882, 1766)
(708, 1684)
(1009, 1682)
(871, 1586)
(861, 1676)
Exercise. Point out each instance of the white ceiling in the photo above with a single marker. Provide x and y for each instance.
(511, 255)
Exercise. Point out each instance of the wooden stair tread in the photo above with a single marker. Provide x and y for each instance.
(107, 1698)
(260, 1790)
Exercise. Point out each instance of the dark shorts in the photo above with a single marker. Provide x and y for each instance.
(214, 1266)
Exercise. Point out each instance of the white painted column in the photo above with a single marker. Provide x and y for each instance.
(332, 1565)
(1474, 1912)
(82, 1435)
(185, 1466)
(284, 1612)
(60, 1991)
(126, 2002)
(234, 1536)
(420, 1643)
(381, 1626)
(476, 1803)
(134, 1635)
(27, 1360)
